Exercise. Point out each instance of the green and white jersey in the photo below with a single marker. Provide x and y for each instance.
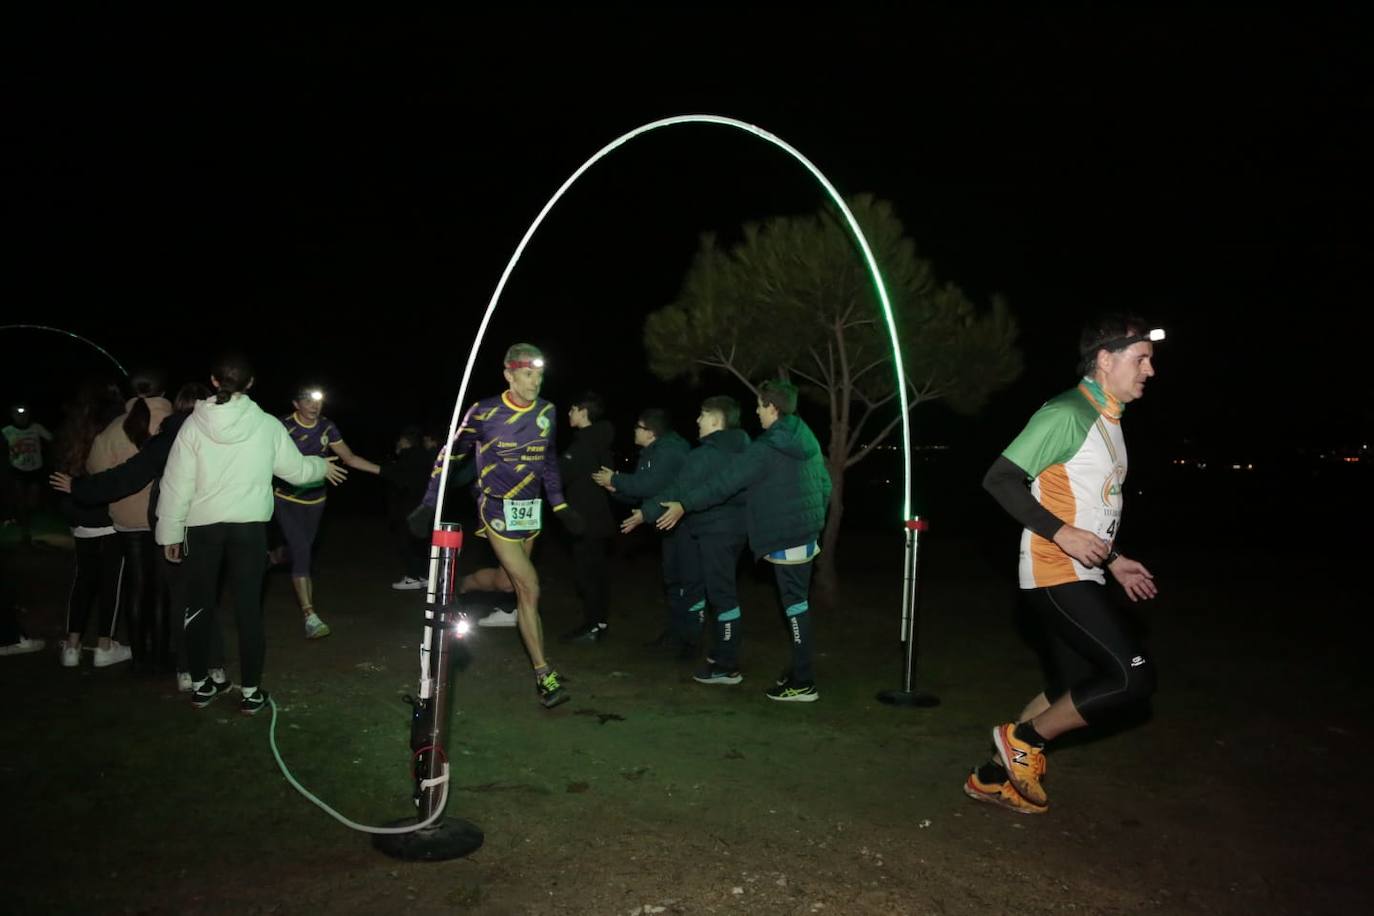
(1075, 454)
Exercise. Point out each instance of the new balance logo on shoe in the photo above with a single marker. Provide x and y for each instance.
(1137, 661)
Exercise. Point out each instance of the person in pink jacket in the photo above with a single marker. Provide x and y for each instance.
(144, 590)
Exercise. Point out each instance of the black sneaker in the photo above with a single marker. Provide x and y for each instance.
(587, 633)
(794, 692)
(551, 692)
(206, 693)
(710, 674)
(249, 706)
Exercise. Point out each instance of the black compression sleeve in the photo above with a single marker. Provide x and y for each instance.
(1007, 484)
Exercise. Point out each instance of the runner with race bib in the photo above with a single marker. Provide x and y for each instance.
(511, 437)
(1074, 455)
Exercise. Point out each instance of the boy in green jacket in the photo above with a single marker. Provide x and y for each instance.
(714, 537)
(787, 489)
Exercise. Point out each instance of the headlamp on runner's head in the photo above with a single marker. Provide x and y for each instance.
(535, 363)
(21, 410)
(1121, 343)
(310, 393)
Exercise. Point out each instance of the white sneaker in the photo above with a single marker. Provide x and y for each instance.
(71, 656)
(315, 628)
(112, 656)
(498, 619)
(23, 647)
(408, 584)
(184, 682)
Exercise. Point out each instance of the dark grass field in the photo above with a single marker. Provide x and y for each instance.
(1238, 791)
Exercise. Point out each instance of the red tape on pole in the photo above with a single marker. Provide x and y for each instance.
(444, 538)
(918, 524)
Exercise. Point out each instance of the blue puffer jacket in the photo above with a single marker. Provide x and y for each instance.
(705, 463)
(785, 481)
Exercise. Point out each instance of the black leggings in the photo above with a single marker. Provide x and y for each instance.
(593, 577)
(99, 574)
(145, 600)
(242, 548)
(1094, 656)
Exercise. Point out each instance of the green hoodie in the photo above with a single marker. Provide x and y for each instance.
(221, 466)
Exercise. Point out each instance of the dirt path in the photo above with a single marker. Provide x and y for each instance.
(649, 791)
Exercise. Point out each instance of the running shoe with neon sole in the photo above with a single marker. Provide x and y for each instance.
(793, 692)
(1024, 763)
(1003, 794)
(551, 692)
(315, 628)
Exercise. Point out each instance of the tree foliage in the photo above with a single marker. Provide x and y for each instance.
(794, 297)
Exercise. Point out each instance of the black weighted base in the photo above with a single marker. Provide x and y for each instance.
(907, 698)
(446, 839)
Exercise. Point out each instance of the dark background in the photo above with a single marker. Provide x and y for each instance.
(339, 195)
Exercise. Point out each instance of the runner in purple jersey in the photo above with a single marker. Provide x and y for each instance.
(511, 438)
(298, 509)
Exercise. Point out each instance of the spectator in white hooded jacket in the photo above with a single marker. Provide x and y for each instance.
(215, 501)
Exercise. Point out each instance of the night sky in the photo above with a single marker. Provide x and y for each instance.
(340, 196)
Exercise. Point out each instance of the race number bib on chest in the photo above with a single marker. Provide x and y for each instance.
(523, 514)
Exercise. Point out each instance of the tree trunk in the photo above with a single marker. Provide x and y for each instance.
(827, 580)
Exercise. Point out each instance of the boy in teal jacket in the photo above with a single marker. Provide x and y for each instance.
(787, 489)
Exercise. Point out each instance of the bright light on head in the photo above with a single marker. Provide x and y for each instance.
(316, 395)
(535, 363)
(1117, 344)
(21, 410)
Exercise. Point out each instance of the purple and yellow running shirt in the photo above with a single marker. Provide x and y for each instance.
(313, 440)
(514, 451)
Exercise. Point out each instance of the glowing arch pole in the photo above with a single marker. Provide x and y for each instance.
(430, 683)
(90, 343)
(762, 134)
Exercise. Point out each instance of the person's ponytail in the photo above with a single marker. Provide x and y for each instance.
(136, 422)
(234, 374)
(145, 383)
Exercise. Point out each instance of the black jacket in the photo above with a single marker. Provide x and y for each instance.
(589, 450)
(407, 478)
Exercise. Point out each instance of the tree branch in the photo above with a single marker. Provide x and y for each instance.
(813, 380)
(856, 457)
(875, 363)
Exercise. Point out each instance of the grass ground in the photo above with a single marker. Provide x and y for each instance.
(1234, 793)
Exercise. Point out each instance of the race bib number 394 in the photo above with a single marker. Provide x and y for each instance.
(523, 514)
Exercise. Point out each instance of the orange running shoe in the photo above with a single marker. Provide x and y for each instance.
(1024, 763)
(1000, 793)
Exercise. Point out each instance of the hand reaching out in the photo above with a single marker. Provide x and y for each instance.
(635, 519)
(672, 513)
(335, 473)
